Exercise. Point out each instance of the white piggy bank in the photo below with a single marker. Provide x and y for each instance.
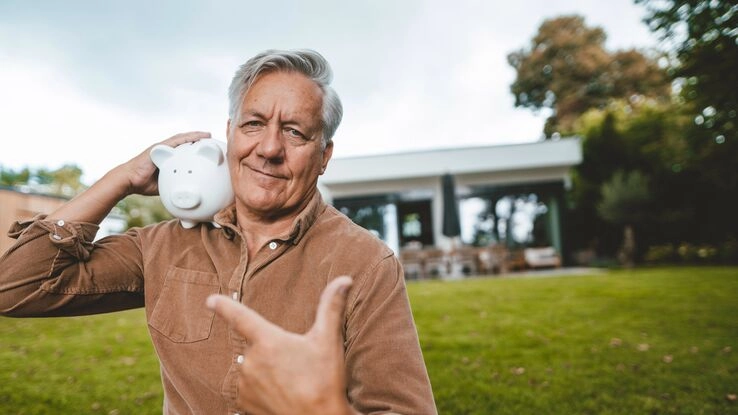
(194, 182)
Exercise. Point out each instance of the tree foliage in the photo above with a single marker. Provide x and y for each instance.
(692, 197)
(10, 177)
(648, 138)
(140, 210)
(704, 38)
(625, 198)
(568, 70)
(66, 181)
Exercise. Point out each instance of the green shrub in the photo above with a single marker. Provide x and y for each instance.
(687, 252)
(707, 253)
(661, 254)
(729, 251)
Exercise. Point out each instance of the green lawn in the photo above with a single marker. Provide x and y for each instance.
(650, 341)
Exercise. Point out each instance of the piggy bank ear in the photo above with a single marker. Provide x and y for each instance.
(160, 153)
(211, 151)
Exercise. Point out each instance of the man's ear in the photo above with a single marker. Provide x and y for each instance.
(160, 153)
(228, 130)
(327, 154)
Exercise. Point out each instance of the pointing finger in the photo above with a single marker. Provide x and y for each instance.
(331, 307)
(244, 320)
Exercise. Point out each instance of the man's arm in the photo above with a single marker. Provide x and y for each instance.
(137, 176)
(383, 355)
(52, 269)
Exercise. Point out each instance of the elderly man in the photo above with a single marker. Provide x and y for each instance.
(276, 250)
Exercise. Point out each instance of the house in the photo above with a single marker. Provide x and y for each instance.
(507, 194)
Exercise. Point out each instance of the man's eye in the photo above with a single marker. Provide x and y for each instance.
(253, 123)
(294, 133)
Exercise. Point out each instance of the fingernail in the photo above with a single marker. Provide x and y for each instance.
(343, 289)
(210, 302)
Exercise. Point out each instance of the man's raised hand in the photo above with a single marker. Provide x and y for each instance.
(288, 373)
(141, 172)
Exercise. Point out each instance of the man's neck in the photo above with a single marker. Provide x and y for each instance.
(259, 228)
(258, 231)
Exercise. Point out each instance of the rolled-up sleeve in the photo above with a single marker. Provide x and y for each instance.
(56, 269)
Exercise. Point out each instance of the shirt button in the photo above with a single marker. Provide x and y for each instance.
(56, 237)
(239, 359)
(272, 245)
(235, 295)
(60, 222)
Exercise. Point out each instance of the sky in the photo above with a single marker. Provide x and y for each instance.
(95, 83)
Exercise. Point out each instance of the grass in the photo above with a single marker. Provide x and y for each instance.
(649, 341)
(102, 364)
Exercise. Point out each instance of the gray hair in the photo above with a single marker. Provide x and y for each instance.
(305, 61)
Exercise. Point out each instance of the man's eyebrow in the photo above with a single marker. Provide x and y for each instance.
(253, 113)
(287, 121)
(293, 121)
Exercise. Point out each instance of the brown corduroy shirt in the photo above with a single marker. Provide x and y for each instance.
(55, 270)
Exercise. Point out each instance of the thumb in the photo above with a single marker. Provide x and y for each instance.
(329, 317)
(244, 320)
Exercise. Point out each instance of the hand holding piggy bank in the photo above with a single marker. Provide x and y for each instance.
(194, 182)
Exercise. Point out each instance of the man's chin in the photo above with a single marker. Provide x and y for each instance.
(263, 204)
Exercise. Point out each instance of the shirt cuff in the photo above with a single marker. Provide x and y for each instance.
(75, 238)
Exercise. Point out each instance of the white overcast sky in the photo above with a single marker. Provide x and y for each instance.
(96, 82)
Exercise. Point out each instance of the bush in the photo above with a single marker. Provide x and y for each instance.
(707, 253)
(687, 252)
(660, 254)
(729, 251)
(691, 254)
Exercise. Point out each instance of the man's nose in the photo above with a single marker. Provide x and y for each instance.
(271, 146)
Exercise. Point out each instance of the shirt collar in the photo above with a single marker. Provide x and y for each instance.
(226, 218)
(307, 218)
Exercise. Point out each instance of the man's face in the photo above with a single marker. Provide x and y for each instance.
(274, 152)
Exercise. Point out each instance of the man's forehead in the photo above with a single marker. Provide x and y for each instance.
(281, 77)
(290, 92)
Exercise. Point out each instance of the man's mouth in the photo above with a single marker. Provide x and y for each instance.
(266, 173)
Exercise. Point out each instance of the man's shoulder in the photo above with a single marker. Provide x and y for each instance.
(357, 252)
(341, 231)
(170, 229)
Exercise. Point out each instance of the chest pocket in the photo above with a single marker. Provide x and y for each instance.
(180, 313)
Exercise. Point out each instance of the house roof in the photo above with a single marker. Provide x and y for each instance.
(565, 152)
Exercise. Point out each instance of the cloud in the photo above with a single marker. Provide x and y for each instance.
(115, 77)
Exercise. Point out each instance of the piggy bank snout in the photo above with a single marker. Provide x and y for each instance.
(185, 199)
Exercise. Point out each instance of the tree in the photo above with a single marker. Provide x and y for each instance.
(10, 177)
(648, 137)
(140, 211)
(64, 181)
(704, 37)
(567, 69)
(625, 202)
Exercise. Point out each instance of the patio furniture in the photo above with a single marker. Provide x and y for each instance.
(413, 262)
(493, 259)
(544, 257)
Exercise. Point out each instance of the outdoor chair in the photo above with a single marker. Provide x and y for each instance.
(413, 263)
(493, 259)
(436, 263)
